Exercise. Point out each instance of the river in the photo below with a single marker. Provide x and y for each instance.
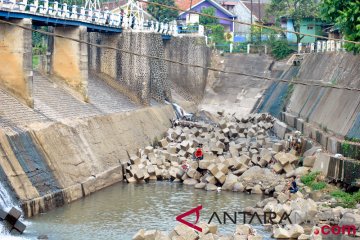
(119, 211)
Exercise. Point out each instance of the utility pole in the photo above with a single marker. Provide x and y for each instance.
(190, 9)
(251, 20)
(260, 19)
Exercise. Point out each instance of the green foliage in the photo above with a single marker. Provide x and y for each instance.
(309, 178)
(318, 185)
(346, 16)
(280, 49)
(345, 147)
(217, 33)
(347, 200)
(35, 61)
(293, 9)
(350, 150)
(204, 20)
(163, 14)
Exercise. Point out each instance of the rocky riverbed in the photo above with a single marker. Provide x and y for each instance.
(241, 155)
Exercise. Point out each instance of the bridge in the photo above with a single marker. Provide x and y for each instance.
(69, 59)
(57, 14)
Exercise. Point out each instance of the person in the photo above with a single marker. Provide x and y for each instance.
(293, 186)
(199, 154)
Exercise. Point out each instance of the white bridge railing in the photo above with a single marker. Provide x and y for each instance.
(321, 46)
(97, 17)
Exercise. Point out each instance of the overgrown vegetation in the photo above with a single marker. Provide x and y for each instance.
(345, 199)
(280, 49)
(205, 20)
(350, 150)
(296, 10)
(310, 180)
(163, 14)
(345, 15)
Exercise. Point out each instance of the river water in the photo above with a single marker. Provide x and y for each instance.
(119, 211)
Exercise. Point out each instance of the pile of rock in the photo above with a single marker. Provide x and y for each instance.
(209, 232)
(236, 152)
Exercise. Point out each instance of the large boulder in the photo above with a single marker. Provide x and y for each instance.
(210, 187)
(230, 181)
(238, 187)
(295, 230)
(281, 233)
(190, 181)
(309, 161)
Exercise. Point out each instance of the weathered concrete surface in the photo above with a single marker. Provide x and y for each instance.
(323, 114)
(235, 93)
(189, 81)
(51, 164)
(16, 60)
(139, 77)
(143, 78)
(70, 59)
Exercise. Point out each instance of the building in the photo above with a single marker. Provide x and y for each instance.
(247, 12)
(312, 26)
(220, 11)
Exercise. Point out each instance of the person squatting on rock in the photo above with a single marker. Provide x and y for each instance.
(199, 155)
(292, 187)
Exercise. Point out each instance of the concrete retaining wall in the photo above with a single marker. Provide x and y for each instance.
(55, 163)
(320, 111)
(143, 78)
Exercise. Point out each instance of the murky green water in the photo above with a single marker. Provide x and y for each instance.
(119, 211)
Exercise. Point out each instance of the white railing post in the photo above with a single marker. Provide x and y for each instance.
(328, 46)
(299, 47)
(323, 46)
(248, 48)
(332, 45)
(201, 30)
(312, 47)
(231, 48)
(338, 46)
(318, 46)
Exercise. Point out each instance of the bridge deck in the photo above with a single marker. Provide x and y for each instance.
(46, 20)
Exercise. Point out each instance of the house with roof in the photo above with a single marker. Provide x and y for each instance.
(220, 11)
(308, 25)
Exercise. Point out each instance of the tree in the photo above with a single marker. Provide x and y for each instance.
(296, 10)
(217, 33)
(163, 14)
(346, 16)
(205, 20)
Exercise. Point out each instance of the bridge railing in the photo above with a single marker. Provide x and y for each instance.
(55, 9)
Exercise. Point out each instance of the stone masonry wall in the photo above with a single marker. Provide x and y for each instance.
(143, 78)
(188, 81)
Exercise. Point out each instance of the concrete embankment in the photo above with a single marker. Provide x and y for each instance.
(327, 115)
(238, 94)
(143, 78)
(51, 164)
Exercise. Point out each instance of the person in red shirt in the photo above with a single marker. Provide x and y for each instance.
(199, 154)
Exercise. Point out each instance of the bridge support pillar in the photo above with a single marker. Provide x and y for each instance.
(70, 59)
(16, 60)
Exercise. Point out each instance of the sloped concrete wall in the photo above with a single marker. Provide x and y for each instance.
(51, 164)
(327, 115)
